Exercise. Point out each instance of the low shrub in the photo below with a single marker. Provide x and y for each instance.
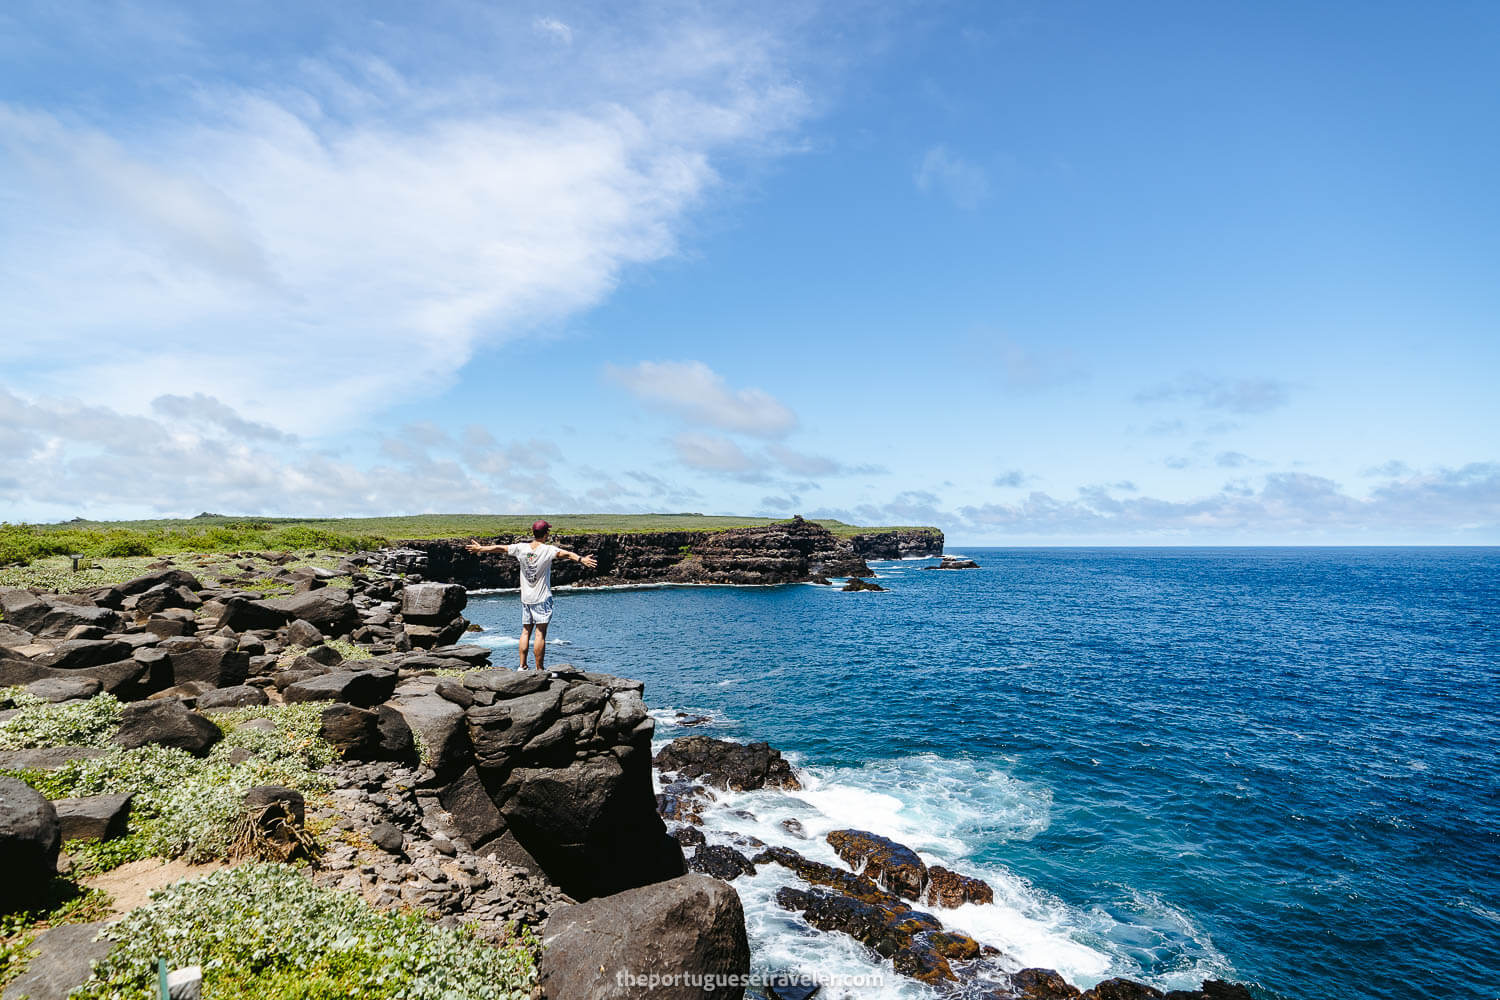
(183, 805)
(123, 544)
(263, 931)
(39, 723)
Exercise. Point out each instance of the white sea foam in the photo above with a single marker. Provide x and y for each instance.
(943, 809)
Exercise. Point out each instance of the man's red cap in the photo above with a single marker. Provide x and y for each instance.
(537, 527)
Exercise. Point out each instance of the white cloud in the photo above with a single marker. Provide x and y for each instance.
(698, 393)
(59, 459)
(712, 453)
(554, 28)
(965, 183)
(321, 239)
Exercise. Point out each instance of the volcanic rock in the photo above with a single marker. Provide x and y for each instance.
(679, 931)
(29, 841)
(722, 764)
(167, 723)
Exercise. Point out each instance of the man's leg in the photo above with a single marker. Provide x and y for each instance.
(525, 643)
(541, 643)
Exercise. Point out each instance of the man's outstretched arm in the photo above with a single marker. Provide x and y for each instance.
(476, 546)
(589, 562)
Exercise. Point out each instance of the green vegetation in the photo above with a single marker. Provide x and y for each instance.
(24, 543)
(264, 932)
(183, 805)
(39, 723)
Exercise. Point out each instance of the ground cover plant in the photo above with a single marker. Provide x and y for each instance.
(183, 806)
(263, 931)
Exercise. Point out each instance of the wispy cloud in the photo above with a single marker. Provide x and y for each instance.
(382, 216)
(1010, 478)
(553, 28)
(699, 394)
(944, 172)
(1447, 503)
(717, 454)
(1243, 395)
(60, 458)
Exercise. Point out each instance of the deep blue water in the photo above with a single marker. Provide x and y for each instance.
(1275, 765)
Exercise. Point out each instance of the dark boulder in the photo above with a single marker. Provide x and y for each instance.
(29, 840)
(58, 689)
(364, 734)
(855, 583)
(953, 562)
(11, 636)
(160, 598)
(722, 764)
(170, 577)
(439, 727)
(218, 667)
(331, 610)
(241, 614)
(237, 696)
(388, 838)
(1041, 984)
(474, 814)
(949, 889)
(453, 691)
(432, 603)
(688, 835)
(913, 941)
(679, 931)
(590, 824)
(894, 867)
(506, 683)
(302, 633)
(64, 961)
(51, 616)
(97, 817)
(74, 653)
(356, 687)
(167, 723)
(721, 862)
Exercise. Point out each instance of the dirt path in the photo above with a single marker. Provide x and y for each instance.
(130, 884)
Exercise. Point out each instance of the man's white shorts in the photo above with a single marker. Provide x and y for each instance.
(536, 614)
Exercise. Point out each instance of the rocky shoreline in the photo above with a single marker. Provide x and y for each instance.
(474, 794)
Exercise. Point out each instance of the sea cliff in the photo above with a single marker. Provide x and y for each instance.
(792, 551)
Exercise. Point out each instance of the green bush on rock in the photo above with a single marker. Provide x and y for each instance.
(263, 931)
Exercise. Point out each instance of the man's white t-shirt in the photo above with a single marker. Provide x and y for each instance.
(536, 570)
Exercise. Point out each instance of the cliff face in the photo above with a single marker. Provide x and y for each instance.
(903, 544)
(788, 552)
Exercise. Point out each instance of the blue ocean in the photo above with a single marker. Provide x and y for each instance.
(1276, 766)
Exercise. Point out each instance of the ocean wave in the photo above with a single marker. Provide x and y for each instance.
(942, 808)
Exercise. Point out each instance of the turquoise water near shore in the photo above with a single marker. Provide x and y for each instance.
(1280, 766)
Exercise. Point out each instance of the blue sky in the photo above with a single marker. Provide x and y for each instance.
(1038, 273)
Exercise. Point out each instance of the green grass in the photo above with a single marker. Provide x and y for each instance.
(26, 543)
